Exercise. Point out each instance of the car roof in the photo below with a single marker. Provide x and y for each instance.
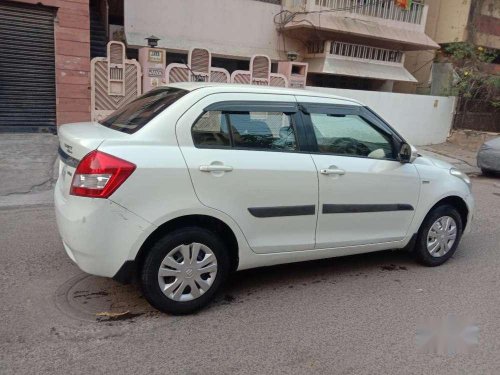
(254, 89)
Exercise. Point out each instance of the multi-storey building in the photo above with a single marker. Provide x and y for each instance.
(360, 44)
(347, 43)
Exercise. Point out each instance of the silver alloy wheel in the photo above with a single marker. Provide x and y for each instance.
(441, 236)
(187, 272)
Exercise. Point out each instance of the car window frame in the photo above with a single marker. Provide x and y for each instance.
(243, 106)
(343, 109)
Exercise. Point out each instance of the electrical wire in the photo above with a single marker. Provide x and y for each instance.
(423, 66)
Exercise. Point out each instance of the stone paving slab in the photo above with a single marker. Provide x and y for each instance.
(27, 163)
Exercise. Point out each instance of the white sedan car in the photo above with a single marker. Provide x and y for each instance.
(193, 181)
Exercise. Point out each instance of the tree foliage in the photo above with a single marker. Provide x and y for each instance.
(473, 82)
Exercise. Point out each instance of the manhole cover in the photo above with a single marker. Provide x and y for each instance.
(100, 299)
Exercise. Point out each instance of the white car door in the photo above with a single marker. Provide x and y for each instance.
(243, 155)
(366, 195)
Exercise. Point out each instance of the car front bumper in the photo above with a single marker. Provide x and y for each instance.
(98, 235)
(469, 201)
(489, 159)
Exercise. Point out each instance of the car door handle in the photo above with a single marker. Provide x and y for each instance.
(215, 168)
(332, 170)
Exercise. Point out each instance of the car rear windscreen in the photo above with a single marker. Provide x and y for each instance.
(134, 115)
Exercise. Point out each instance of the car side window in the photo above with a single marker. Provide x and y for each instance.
(248, 130)
(211, 130)
(262, 130)
(350, 135)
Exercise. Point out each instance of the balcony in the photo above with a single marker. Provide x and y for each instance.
(349, 59)
(375, 8)
(373, 22)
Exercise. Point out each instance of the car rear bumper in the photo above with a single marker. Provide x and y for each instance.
(98, 235)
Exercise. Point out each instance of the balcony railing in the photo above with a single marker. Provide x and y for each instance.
(365, 52)
(356, 51)
(386, 9)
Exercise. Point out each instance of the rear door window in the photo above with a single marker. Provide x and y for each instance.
(133, 116)
(245, 130)
(263, 131)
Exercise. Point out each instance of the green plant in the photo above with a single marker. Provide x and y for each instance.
(473, 83)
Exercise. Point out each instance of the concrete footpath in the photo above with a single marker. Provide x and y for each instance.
(29, 166)
(463, 159)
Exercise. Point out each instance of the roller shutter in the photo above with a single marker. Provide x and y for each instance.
(27, 67)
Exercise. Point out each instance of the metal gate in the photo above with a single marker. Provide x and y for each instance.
(27, 67)
(259, 74)
(198, 69)
(115, 81)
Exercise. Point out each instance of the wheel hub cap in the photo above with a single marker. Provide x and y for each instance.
(441, 236)
(187, 272)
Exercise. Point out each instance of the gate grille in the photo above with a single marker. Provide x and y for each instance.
(27, 67)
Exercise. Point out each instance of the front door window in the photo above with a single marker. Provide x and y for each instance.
(350, 135)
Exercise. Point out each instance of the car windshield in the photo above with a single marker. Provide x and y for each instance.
(133, 116)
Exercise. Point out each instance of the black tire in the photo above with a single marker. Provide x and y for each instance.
(420, 252)
(149, 273)
(488, 173)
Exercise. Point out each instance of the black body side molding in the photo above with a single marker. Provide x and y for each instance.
(283, 211)
(361, 208)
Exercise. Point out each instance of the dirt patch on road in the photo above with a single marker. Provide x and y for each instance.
(393, 267)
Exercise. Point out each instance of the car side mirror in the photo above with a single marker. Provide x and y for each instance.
(405, 153)
(414, 153)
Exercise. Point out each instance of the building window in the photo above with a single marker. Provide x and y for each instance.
(316, 46)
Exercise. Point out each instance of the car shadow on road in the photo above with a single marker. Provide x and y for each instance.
(90, 297)
(303, 273)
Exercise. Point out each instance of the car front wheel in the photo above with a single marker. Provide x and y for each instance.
(184, 269)
(438, 236)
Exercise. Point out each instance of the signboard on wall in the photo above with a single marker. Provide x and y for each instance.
(156, 55)
(153, 64)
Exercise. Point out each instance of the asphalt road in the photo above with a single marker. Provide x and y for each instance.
(351, 315)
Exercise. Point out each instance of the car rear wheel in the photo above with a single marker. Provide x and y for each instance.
(438, 236)
(184, 269)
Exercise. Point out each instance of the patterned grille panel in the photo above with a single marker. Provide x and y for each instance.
(106, 102)
(242, 78)
(178, 74)
(200, 60)
(261, 67)
(116, 53)
(220, 77)
(277, 81)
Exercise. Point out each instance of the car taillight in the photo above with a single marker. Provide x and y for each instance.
(99, 174)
